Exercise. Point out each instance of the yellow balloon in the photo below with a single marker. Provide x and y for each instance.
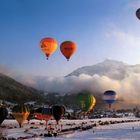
(21, 117)
(93, 102)
(20, 113)
(48, 46)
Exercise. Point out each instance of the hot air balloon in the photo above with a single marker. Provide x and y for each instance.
(48, 46)
(68, 48)
(86, 102)
(43, 114)
(138, 13)
(3, 114)
(20, 113)
(109, 97)
(58, 111)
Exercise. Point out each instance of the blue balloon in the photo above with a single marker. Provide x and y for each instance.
(109, 97)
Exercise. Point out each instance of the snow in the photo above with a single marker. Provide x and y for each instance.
(33, 130)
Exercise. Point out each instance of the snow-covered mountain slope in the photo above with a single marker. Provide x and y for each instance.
(113, 69)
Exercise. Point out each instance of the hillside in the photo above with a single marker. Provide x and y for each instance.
(13, 91)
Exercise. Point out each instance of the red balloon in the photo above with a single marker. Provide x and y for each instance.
(68, 48)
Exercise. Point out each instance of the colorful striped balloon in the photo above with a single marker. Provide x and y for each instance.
(110, 97)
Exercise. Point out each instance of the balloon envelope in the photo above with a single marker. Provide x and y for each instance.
(86, 102)
(48, 46)
(43, 113)
(3, 114)
(20, 113)
(138, 13)
(68, 48)
(110, 96)
(58, 111)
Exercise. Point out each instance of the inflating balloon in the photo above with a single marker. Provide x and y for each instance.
(48, 46)
(138, 13)
(20, 113)
(43, 114)
(3, 114)
(58, 111)
(68, 48)
(86, 102)
(109, 97)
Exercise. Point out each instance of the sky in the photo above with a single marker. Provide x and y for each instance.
(101, 29)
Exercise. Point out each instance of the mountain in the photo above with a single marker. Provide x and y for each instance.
(13, 91)
(113, 69)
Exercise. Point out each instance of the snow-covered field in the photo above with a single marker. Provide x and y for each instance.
(115, 129)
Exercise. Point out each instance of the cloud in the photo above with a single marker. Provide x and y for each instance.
(72, 84)
(124, 39)
(127, 88)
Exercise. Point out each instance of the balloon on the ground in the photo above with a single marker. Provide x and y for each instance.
(58, 111)
(48, 46)
(109, 97)
(43, 114)
(3, 114)
(138, 13)
(20, 113)
(86, 102)
(68, 48)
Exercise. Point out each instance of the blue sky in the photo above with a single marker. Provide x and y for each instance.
(101, 29)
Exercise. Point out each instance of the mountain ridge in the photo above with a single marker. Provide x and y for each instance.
(114, 69)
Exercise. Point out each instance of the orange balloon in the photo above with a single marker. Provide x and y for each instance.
(68, 48)
(48, 46)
